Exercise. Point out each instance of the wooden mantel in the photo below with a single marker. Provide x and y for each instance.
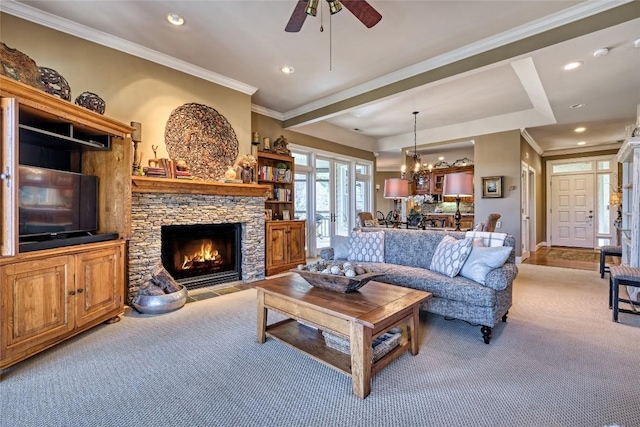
(143, 184)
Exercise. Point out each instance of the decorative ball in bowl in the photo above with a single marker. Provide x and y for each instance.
(338, 277)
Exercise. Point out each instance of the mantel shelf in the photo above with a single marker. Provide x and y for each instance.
(142, 184)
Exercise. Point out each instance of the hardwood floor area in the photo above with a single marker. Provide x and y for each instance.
(578, 258)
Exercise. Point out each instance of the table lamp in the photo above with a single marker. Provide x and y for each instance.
(458, 185)
(396, 189)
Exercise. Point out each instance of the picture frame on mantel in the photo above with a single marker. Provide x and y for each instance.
(491, 187)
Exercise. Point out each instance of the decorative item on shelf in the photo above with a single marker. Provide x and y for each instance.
(181, 169)
(204, 138)
(54, 83)
(280, 146)
(136, 138)
(255, 138)
(441, 165)
(396, 189)
(266, 144)
(285, 215)
(246, 162)
(230, 173)
(491, 187)
(458, 185)
(462, 162)
(18, 66)
(616, 200)
(268, 214)
(91, 101)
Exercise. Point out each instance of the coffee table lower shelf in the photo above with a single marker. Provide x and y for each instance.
(310, 341)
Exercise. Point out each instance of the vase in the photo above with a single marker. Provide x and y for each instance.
(230, 173)
(245, 174)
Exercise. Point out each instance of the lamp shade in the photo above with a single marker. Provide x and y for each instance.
(458, 185)
(396, 188)
(616, 198)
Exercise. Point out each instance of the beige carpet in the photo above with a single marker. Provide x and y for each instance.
(558, 361)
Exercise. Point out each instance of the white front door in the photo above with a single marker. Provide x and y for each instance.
(572, 210)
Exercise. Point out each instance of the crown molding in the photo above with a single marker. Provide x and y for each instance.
(531, 141)
(580, 150)
(64, 25)
(567, 16)
(267, 112)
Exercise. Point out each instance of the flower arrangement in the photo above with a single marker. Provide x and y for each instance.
(246, 161)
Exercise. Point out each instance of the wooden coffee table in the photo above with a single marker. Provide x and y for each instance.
(359, 316)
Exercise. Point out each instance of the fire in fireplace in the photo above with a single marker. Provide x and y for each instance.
(202, 255)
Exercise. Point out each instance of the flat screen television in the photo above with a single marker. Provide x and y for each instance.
(54, 203)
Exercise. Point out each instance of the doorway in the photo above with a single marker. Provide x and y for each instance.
(578, 201)
(332, 200)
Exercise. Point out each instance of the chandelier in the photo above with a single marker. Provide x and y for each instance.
(417, 161)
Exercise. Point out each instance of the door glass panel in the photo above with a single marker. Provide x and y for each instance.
(342, 197)
(573, 167)
(602, 204)
(362, 192)
(604, 165)
(302, 196)
(323, 204)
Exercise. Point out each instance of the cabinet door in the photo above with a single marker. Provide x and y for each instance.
(276, 245)
(9, 172)
(99, 285)
(37, 300)
(297, 253)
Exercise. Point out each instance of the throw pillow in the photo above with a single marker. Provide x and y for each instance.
(450, 255)
(482, 260)
(341, 247)
(366, 246)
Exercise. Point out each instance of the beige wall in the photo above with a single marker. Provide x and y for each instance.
(498, 154)
(384, 205)
(134, 89)
(272, 129)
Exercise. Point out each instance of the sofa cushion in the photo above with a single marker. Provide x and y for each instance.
(482, 260)
(455, 288)
(450, 255)
(366, 247)
(341, 247)
(413, 248)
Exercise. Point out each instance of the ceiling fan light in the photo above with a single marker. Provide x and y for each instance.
(312, 7)
(334, 6)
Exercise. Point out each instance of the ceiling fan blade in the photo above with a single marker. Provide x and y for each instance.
(363, 11)
(297, 17)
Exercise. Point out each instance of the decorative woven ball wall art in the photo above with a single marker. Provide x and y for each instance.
(18, 66)
(54, 83)
(91, 101)
(204, 138)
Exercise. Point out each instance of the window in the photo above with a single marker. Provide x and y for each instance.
(573, 167)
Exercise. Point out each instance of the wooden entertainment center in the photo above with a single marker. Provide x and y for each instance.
(49, 295)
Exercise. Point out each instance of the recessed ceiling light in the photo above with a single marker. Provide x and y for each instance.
(576, 106)
(580, 129)
(601, 52)
(581, 143)
(440, 158)
(636, 43)
(572, 65)
(175, 19)
(287, 69)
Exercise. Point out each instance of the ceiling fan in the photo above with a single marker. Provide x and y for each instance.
(360, 9)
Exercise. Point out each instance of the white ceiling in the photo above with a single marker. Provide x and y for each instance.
(242, 44)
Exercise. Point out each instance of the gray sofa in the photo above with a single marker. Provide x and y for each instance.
(408, 255)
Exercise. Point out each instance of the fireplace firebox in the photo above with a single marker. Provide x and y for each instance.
(202, 255)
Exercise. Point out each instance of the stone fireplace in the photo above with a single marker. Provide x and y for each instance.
(202, 255)
(158, 204)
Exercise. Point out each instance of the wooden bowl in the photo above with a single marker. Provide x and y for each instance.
(336, 283)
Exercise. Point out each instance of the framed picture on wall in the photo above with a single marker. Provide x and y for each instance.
(491, 186)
